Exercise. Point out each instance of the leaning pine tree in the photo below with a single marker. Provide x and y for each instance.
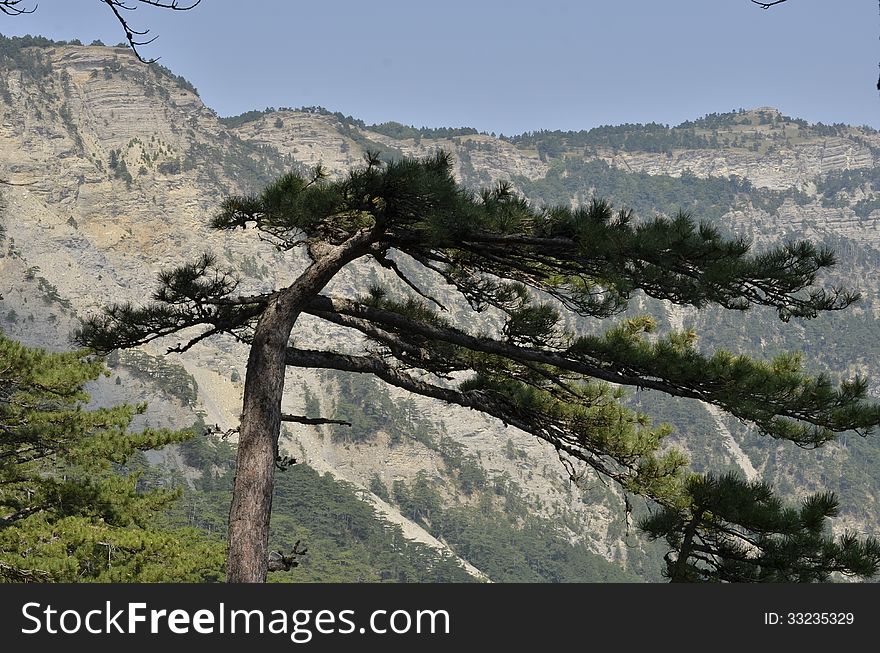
(528, 267)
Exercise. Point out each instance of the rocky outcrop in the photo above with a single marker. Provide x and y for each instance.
(770, 150)
(793, 167)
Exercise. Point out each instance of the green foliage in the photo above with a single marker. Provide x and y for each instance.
(70, 125)
(831, 345)
(704, 133)
(771, 394)
(834, 182)
(646, 194)
(249, 165)
(366, 412)
(117, 164)
(171, 167)
(161, 71)
(24, 53)
(378, 487)
(121, 172)
(248, 116)
(401, 132)
(68, 515)
(371, 410)
(171, 378)
(509, 544)
(204, 452)
(419, 501)
(535, 552)
(311, 402)
(393, 129)
(50, 293)
(343, 541)
(732, 530)
(629, 137)
(864, 208)
(347, 540)
(464, 468)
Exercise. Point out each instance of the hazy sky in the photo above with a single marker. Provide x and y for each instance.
(508, 66)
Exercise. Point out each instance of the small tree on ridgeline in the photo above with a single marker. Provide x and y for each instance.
(66, 514)
(530, 266)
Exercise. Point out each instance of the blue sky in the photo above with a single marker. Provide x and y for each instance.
(508, 67)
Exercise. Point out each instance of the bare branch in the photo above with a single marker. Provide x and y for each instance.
(278, 561)
(392, 265)
(767, 5)
(131, 33)
(12, 8)
(216, 430)
(299, 419)
(180, 348)
(405, 352)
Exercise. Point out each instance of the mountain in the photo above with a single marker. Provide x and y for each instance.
(115, 168)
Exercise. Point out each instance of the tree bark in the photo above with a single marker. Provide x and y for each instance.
(248, 554)
(679, 571)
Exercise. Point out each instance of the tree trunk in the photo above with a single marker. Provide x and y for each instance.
(679, 571)
(247, 558)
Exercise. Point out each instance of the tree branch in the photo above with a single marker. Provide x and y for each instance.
(278, 561)
(575, 445)
(11, 8)
(679, 373)
(390, 264)
(299, 419)
(767, 5)
(405, 352)
(17, 574)
(21, 514)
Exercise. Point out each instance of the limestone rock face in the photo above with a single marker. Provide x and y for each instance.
(117, 167)
(792, 167)
(769, 149)
(322, 138)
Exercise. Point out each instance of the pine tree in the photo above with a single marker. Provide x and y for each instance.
(67, 513)
(527, 267)
(733, 530)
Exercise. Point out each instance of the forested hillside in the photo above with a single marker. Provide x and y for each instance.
(115, 170)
